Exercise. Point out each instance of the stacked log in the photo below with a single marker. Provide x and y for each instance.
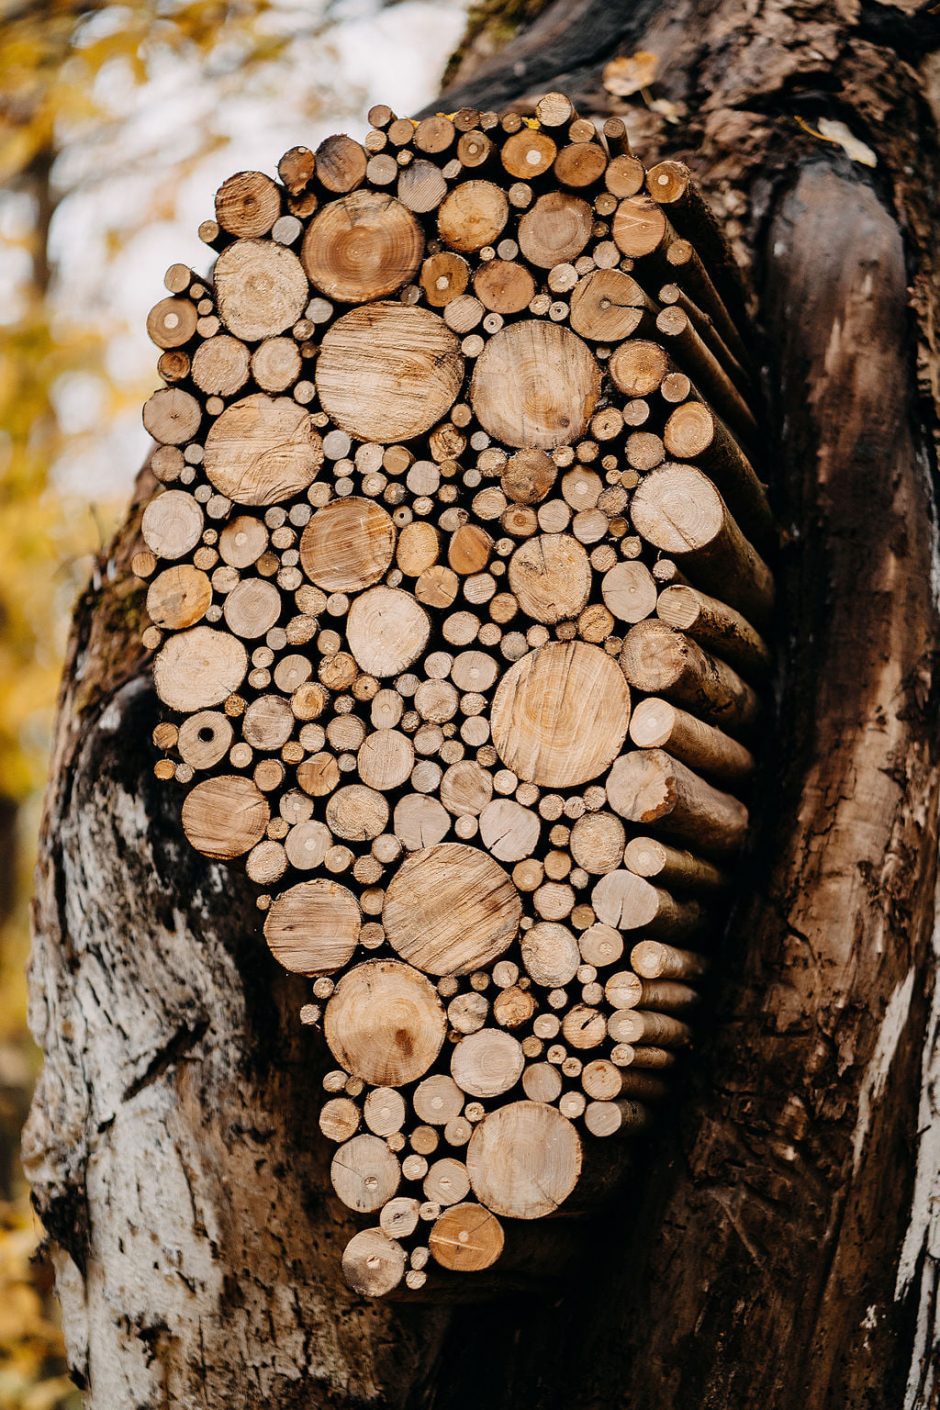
(458, 598)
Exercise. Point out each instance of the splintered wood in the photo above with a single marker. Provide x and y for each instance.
(458, 597)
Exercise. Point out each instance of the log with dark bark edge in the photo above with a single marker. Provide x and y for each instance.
(783, 1254)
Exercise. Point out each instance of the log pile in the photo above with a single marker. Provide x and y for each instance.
(458, 600)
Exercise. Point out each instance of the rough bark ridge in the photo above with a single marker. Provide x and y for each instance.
(785, 1252)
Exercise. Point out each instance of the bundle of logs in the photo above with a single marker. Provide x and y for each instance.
(458, 607)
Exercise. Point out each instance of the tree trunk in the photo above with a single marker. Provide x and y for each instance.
(778, 1243)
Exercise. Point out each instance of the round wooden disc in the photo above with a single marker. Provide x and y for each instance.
(386, 758)
(172, 524)
(373, 1264)
(387, 372)
(551, 576)
(224, 817)
(199, 668)
(262, 450)
(365, 1173)
(451, 909)
(178, 597)
(347, 545)
(629, 591)
(560, 714)
(606, 306)
(550, 954)
(384, 1023)
(555, 230)
(466, 1238)
(261, 288)
(535, 384)
(524, 1160)
(362, 247)
(172, 416)
(487, 1063)
(473, 215)
(504, 286)
(386, 630)
(313, 928)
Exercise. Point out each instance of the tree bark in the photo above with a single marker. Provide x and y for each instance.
(778, 1241)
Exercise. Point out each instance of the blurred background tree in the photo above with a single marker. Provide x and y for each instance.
(117, 122)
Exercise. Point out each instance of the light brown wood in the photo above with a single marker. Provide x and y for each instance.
(504, 286)
(629, 591)
(528, 153)
(524, 1160)
(385, 759)
(580, 164)
(550, 575)
(242, 541)
(550, 954)
(276, 364)
(204, 738)
(528, 476)
(608, 306)
(373, 1263)
(473, 215)
(583, 1028)
(509, 830)
(487, 1063)
(262, 450)
(688, 349)
(625, 901)
(247, 204)
(554, 109)
(260, 288)
(655, 657)
(220, 365)
(347, 545)
(678, 510)
(224, 817)
(686, 267)
(638, 367)
(535, 385)
(339, 1119)
(657, 723)
(438, 1100)
(640, 1026)
(647, 786)
(649, 857)
(388, 371)
(362, 247)
(384, 1023)
(420, 821)
(365, 1173)
(387, 630)
(555, 230)
(467, 1238)
(252, 608)
(466, 789)
(640, 227)
(172, 322)
(654, 960)
(444, 277)
(313, 927)
(446, 1182)
(172, 524)
(624, 176)
(611, 1118)
(597, 842)
(421, 187)
(172, 416)
(560, 714)
(601, 945)
(715, 625)
(198, 668)
(694, 432)
(340, 163)
(450, 909)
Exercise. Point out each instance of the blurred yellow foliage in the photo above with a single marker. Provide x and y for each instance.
(30, 1342)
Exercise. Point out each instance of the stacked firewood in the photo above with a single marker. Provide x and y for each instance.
(458, 609)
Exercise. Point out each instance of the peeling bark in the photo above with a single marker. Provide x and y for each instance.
(778, 1242)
